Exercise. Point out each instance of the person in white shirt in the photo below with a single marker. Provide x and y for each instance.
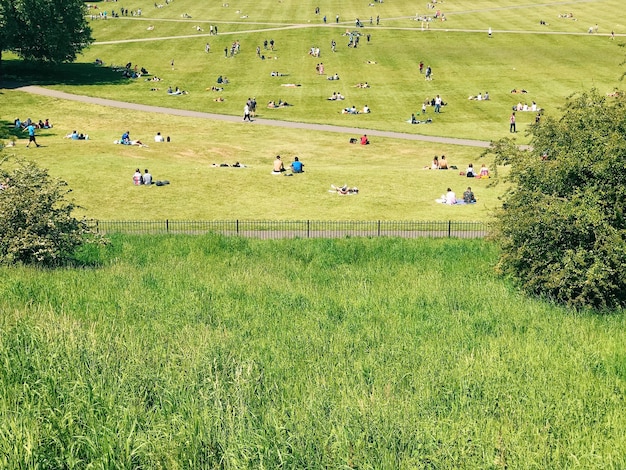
(147, 178)
(158, 137)
(450, 197)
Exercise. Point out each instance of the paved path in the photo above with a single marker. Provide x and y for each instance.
(37, 90)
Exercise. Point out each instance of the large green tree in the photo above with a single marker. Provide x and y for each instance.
(561, 227)
(44, 30)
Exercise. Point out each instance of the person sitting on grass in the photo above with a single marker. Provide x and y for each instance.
(278, 165)
(297, 166)
(468, 196)
(484, 171)
(450, 197)
(364, 140)
(470, 171)
(137, 178)
(443, 164)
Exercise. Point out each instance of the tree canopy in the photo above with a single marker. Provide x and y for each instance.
(44, 30)
(561, 227)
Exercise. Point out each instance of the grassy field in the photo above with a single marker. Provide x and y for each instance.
(550, 61)
(210, 352)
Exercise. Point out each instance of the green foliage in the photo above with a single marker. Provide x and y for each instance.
(44, 30)
(562, 228)
(36, 222)
(209, 352)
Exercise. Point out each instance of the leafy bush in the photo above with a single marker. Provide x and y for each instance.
(561, 227)
(36, 222)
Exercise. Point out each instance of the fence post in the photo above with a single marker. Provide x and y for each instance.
(308, 228)
(379, 228)
(167, 226)
(449, 228)
(237, 226)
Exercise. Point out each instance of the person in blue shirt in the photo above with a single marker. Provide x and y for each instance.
(297, 166)
(31, 135)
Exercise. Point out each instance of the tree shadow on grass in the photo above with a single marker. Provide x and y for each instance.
(8, 131)
(18, 73)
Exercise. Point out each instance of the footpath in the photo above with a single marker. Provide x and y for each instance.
(37, 90)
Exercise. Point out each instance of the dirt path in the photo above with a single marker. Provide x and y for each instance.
(37, 90)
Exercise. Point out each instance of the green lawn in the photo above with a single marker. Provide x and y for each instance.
(211, 352)
(550, 62)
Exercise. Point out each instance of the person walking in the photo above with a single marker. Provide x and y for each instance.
(246, 113)
(429, 72)
(512, 123)
(31, 135)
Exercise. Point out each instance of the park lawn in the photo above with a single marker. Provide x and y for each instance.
(464, 61)
(390, 172)
(206, 351)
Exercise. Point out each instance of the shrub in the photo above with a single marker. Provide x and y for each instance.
(36, 222)
(561, 227)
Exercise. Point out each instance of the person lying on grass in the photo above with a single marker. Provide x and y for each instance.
(343, 190)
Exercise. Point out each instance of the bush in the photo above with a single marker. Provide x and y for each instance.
(561, 227)
(36, 222)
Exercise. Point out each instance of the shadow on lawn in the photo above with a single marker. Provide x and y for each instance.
(18, 73)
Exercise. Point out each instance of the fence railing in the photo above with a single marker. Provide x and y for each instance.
(298, 228)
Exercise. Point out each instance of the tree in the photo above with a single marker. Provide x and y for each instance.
(44, 30)
(36, 222)
(561, 228)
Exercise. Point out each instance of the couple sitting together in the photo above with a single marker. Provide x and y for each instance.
(296, 166)
(450, 198)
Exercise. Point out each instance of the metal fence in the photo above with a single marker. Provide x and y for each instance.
(267, 229)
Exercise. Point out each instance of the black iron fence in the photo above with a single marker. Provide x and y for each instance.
(298, 228)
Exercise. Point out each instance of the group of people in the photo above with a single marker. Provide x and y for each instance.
(277, 104)
(74, 135)
(126, 140)
(19, 124)
(479, 97)
(176, 91)
(525, 107)
(472, 173)
(353, 110)
(450, 197)
(159, 138)
(296, 166)
(439, 163)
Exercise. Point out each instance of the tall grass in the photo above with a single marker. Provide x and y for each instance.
(213, 352)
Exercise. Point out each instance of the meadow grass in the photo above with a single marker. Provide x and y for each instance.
(214, 352)
(389, 172)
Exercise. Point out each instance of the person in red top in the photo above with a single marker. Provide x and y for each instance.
(364, 140)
